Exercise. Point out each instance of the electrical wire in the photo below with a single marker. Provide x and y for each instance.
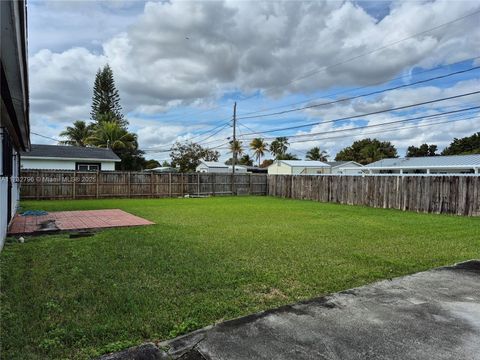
(360, 88)
(385, 123)
(324, 68)
(362, 95)
(366, 114)
(387, 130)
(46, 137)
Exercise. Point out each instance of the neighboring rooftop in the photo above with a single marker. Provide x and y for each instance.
(339, 163)
(458, 161)
(214, 164)
(304, 163)
(70, 152)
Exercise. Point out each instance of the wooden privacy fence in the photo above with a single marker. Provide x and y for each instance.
(433, 194)
(54, 184)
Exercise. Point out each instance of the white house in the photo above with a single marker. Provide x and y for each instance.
(14, 119)
(454, 164)
(60, 157)
(218, 167)
(298, 167)
(345, 167)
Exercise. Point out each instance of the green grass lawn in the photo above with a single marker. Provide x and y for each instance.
(205, 260)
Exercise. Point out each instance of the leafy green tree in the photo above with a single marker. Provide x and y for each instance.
(266, 163)
(279, 146)
(422, 150)
(259, 147)
(132, 159)
(464, 146)
(367, 151)
(187, 156)
(236, 147)
(166, 164)
(109, 117)
(287, 156)
(151, 164)
(77, 134)
(244, 160)
(106, 99)
(112, 135)
(316, 154)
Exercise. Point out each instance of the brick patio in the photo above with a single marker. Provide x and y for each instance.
(75, 220)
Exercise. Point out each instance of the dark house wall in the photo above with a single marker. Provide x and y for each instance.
(14, 106)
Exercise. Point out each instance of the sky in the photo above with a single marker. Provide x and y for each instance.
(179, 67)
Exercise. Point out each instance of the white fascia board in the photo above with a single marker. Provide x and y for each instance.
(347, 168)
(69, 159)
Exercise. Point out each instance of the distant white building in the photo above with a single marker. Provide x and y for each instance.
(163, 169)
(345, 167)
(454, 164)
(61, 157)
(218, 167)
(298, 167)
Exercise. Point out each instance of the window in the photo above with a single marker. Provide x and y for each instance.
(88, 167)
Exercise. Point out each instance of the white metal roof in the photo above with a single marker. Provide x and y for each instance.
(453, 161)
(214, 164)
(304, 163)
(335, 164)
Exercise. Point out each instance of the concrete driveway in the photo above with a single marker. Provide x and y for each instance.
(428, 315)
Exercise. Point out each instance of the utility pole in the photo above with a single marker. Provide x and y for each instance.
(234, 143)
(234, 137)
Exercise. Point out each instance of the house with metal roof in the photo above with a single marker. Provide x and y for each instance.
(218, 167)
(61, 157)
(298, 167)
(454, 164)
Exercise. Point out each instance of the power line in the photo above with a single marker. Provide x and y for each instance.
(46, 137)
(362, 95)
(324, 68)
(388, 130)
(223, 126)
(386, 123)
(208, 131)
(361, 87)
(366, 114)
(215, 133)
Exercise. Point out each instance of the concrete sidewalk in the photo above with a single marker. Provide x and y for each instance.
(429, 315)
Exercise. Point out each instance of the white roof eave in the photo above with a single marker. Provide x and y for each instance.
(66, 158)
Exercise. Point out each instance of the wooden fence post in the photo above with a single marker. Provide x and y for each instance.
(214, 182)
(250, 187)
(152, 191)
(97, 184)
(198, 184)
(170, 184)
(183, 190)
(128, 184)
(74, 184)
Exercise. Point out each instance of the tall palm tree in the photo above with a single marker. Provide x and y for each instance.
(77, 134)
(259, 147)
(279, 146)
(316, 154)
(110, 134)
(236, 147)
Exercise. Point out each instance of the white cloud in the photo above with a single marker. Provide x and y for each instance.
(178, 53)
